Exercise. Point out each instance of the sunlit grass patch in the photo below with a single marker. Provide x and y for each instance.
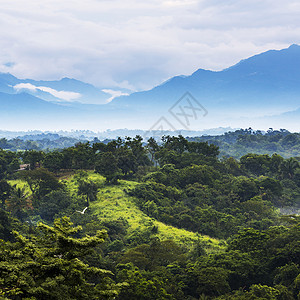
(114, 203)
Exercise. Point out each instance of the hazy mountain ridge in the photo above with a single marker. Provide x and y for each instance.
(263, 85)
(261, 75)
(56, 90)
(90, 135)
(261, 91)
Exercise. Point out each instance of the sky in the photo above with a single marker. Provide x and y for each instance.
(135, 45)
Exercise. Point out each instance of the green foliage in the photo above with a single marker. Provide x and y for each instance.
(244, 141)
(157, 253)
(139, 285)
(33, 158)
(53, 204)
(5, 191)
(41, 182)
(249, 240)
(156, 248)
(6, 226)
(107, 165)
(19, 202)
(53, 161)
(9, 163)
(245, 188)
(49, 266)
(89, 189)
(212, 281)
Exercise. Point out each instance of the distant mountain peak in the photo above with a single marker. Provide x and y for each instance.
(294, 46)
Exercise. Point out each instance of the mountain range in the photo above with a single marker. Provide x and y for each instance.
(262, 91)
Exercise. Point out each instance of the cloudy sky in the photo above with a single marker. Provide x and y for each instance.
(137, 44)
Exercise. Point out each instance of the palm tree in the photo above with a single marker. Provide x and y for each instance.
(88, 189)
(288, 167)
(19, 202)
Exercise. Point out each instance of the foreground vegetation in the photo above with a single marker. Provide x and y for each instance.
(127, 220)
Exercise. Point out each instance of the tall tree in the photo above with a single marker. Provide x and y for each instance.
(33, 158)
(5, 190)
(41, 182)
(107, 165)
(89, 189)
(19, 202)
(50, 266)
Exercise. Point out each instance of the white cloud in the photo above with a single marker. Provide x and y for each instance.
(140, 43)
(114, 94)
(63, 95)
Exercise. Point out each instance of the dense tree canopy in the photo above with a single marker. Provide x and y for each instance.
(252, 252)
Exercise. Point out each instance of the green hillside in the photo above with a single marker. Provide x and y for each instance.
(114, 203)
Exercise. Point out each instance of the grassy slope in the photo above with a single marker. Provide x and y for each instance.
(114, 203)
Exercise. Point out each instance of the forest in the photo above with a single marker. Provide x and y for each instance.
(243, 141)
(181, 218)
(231, 144)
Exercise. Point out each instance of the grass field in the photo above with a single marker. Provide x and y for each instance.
(113, 203)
